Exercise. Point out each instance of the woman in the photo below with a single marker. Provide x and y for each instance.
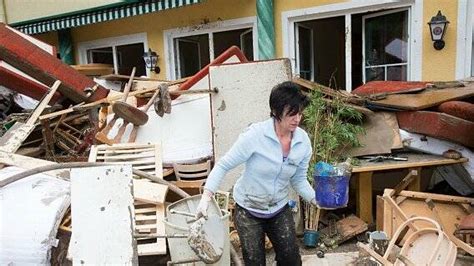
(276, 153)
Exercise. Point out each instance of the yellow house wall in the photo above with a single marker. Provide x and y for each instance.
(439, 65)
(436, 65)
(24, 10)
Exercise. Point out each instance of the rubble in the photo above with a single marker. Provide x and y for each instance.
(193, 122)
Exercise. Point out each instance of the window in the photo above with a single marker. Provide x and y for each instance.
(305, 51)
(193, 53)
(123, 53)
(385, 46)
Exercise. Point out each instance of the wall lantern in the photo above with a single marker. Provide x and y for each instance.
(438, 26)
(151, 58)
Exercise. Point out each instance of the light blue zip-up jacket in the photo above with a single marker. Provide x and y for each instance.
(264, 185)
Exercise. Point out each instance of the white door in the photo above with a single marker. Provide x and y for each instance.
(385, 46)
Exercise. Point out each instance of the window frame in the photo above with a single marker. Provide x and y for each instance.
(386, 66)
(113, 42)
(347, 9)
(209, 28)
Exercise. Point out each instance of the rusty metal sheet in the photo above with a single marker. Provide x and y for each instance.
(438, 125)
(425, 99)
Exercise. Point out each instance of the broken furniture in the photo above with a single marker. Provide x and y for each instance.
(428, 245)
(363, 177)
(149, 197)
(191, 177)
(338, 232)
(465, 230)
(445, 210)
(176, 223)
(438, 125)
(14, 137)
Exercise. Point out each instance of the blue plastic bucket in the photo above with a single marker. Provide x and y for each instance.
(310, 238)
(332, 192)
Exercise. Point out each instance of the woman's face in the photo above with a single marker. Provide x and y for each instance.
(290, 122)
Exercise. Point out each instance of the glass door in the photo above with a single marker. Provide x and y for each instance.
(386, 46)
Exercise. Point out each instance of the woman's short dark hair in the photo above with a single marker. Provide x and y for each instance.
(287, 95)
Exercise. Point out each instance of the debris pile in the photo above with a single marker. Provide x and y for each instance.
(95, 159)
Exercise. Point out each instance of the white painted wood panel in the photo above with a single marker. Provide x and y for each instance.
(102, 216)
(244, 91)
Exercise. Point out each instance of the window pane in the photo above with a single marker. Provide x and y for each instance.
(225, 39)
(374, 73)
(192, 54)
(386, 39)
(129, 56)
(100, 56)
(305, 45)
(397, 73)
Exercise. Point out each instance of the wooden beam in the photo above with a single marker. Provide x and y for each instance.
(364, 196)
(415, 185)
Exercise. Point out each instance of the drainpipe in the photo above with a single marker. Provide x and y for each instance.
(3, 15)
(65, 46)
(266, 29)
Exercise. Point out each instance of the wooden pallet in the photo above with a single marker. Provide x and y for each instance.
(145, 157)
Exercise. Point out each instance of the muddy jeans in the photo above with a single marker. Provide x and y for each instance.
(281, 231)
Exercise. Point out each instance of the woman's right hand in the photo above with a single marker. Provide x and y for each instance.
(201, 210)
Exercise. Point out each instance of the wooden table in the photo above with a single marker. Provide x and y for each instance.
(364, 172)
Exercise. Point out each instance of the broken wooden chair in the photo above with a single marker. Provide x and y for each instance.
(425, 246)
(191, 177)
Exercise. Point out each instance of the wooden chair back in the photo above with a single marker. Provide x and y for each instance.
(192, 171)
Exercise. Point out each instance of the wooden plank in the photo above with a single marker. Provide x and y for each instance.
(405, 181)
(112, 151)
(414, 185)
(42, 104)
(379, 220)
(414, 160)
(426, 99)
(29, 163)
(435, 197)
(15, 136)
(347, 228)
(124, 157)
(364, 196)
(158, 161)
(149, 192)
(101, 197)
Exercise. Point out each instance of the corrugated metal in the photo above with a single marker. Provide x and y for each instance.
(96, 16)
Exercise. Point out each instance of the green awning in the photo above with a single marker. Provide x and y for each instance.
(98, 15)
